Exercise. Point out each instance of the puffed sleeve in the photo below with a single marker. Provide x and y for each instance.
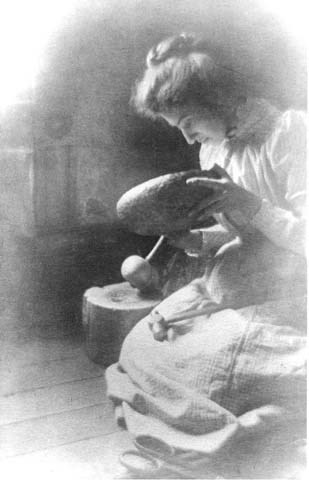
(285, 154)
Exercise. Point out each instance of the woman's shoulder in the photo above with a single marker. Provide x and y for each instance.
(292, 119)
(286, 145)
(259, 122)
(290, 131)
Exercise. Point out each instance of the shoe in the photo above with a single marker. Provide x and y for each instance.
(139, 464)
(185, 464)
(142, 466)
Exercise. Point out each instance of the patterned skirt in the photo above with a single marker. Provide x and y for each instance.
(215, 369)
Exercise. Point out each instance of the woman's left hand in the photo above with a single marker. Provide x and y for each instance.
(228, 198)
(186, 240)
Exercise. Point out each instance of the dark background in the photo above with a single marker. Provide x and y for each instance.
(72, 146)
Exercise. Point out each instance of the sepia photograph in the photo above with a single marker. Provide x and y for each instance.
(153, 275)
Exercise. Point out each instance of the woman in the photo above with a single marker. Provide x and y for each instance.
(226, 383)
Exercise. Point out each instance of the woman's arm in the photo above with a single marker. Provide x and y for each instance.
(283, 164)
(283, 227)
(285, 153)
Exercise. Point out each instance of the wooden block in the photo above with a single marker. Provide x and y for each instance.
(109, 313)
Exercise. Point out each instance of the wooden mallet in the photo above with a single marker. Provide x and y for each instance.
(139, 272)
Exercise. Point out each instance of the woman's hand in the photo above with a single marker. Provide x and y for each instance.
(238, 204)
(192, 241)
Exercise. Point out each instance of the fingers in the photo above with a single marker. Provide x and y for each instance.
(214, 208)
(206, 204)
(207, 201)
(223, 173)
(207, 182)
(157, 325)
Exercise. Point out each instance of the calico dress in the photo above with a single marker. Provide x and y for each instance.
(214, 369)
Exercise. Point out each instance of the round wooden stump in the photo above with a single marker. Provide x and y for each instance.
(109, 313)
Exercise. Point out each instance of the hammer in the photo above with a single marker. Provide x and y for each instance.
(139, 272)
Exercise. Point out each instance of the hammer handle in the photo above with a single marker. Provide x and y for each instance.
(155, 248)
(178, 317)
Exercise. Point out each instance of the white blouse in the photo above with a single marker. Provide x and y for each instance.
(268, 158)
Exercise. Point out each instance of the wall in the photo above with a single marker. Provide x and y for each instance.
(73, 146)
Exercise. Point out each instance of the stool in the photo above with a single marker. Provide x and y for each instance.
(109, 313)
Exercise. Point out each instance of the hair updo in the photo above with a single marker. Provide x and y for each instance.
(180, 73)
(178, 46)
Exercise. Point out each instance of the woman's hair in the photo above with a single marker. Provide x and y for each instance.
(180, 73)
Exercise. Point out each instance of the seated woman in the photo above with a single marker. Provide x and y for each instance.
(224, 385)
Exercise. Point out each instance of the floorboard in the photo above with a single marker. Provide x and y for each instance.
(56, 422)
(20, 352)
(54, 430)
(47, 374)
(91, 459)
(52, 400)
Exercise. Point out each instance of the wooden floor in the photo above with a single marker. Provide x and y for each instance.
(55, 419)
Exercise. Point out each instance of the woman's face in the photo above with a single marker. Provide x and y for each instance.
(197, 125)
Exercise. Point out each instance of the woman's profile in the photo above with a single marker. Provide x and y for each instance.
(224, 393)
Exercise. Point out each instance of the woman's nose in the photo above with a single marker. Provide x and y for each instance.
(190, 138)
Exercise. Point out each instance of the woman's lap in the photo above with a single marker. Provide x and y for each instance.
(200, 380)
(212, 370)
